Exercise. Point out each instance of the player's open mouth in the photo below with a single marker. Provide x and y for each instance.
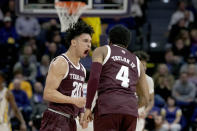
(86, 52)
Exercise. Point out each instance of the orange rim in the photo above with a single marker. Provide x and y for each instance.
(68, 4)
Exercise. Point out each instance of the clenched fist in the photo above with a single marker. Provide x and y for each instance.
(79, 102)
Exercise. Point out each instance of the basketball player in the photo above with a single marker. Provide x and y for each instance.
(65, 81)
(143, 111)
(6, 98)
(117, 74)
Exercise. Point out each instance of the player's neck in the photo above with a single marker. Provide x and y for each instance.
(73, 57)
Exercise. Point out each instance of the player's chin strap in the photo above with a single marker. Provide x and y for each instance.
(93, 83)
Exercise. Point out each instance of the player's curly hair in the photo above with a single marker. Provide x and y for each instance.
(120, 35)
(77, 29)
(142, 55)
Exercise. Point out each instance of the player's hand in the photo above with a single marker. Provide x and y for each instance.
(23, 127)
(83, 123)
(88, 115)
(143, 115)
(79, 102)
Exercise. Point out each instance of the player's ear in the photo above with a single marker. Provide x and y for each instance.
(73, 42)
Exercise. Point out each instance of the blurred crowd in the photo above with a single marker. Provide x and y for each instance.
(175, 78)
(28, 44)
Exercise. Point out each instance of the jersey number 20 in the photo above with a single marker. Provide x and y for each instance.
(78, 89)
(123, 75)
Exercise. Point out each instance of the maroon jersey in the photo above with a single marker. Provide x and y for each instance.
(117, 86)
(71, 85)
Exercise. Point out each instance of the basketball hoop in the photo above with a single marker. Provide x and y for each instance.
(69, 12)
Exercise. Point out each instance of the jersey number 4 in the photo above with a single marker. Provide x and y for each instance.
(123, 75)
(78, 89)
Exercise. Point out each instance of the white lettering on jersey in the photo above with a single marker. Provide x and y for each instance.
(123, 75)
(123, 59)
(133, 65)
(120, 58)
(78, 87)
(76, 77)
(123, 52)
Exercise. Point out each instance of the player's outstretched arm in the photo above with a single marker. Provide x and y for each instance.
(97, 60)
(56, 73)
(142, 89)
(96, 68)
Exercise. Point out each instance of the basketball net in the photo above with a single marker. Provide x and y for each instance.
(69, 12)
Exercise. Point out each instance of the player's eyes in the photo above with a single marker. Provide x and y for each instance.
(86, 40)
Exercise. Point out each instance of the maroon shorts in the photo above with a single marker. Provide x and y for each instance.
(114, 122)
(54, 122)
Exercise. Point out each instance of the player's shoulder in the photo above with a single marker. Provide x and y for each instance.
(150, 83)
(59, 60)
(101, 50)
(59, 63)
(149, 78)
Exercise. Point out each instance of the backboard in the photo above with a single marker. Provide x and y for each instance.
(101, 8)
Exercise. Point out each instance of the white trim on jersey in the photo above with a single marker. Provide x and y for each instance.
(108, 54)
(84, 69)
(138, 66)
(77, 67)
(66, 74)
